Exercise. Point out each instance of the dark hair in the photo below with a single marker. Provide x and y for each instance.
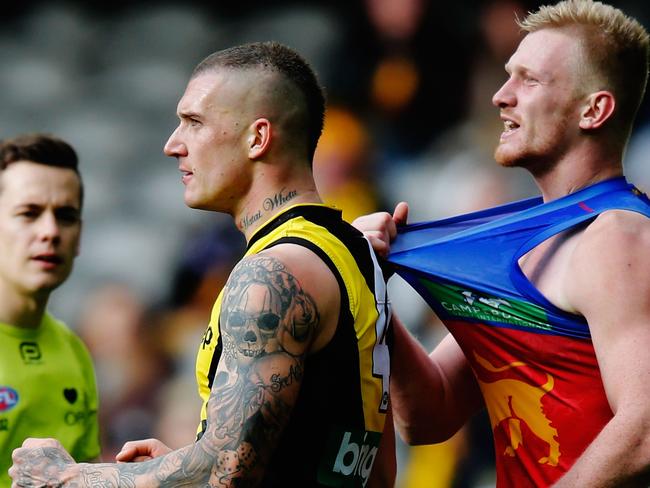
(283, 60)
(42, 149)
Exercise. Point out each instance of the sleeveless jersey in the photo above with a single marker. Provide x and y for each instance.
(335, 427)
(535, 364)
(47, 389)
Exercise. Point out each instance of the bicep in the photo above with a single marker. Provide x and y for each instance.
(267, 323)
(462, 394)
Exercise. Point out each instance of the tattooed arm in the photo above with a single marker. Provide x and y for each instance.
(269, 322)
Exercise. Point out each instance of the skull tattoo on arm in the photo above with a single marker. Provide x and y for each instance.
(267, 322)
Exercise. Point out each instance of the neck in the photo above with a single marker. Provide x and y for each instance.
(21, 310)
(574, 173)
(269, 198)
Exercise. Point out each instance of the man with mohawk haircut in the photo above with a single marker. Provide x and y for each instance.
(294, 366)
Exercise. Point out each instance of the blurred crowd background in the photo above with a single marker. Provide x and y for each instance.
(409, 117)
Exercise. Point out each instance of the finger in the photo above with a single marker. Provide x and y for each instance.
(379, 245)
(31, 443)
(401, 213)
(132, 450)
(126, 454)
(140, 459)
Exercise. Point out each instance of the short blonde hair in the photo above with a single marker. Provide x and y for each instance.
(616, 48)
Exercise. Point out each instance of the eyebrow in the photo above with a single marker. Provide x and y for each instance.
(36, 206)
(525, 71)
(188, 114)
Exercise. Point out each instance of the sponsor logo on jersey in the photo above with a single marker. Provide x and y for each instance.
(456, 302)
(30, 352)
(8, 398)
(348, 458)
(70, 395)
(73, 418)
(206, 340)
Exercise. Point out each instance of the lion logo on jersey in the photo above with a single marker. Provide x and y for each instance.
(515, 402)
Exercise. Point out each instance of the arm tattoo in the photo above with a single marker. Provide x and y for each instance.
(267, 322)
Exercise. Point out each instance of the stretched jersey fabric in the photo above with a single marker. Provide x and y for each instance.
(535, 364)
(47, 389)
(336, 424)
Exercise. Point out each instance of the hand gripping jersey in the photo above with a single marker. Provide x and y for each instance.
(336, 424)
(535, 364)
(47, 389)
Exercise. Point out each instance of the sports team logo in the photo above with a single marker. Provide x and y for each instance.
(511, 403)
(8, 398)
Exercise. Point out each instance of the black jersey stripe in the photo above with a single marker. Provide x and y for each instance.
(343, 342)
(214, 362)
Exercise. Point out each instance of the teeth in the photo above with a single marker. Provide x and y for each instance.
(509, 125)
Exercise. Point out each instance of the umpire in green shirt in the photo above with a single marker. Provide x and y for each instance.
(47, 381)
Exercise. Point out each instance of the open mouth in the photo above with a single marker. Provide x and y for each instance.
(48, 258)
(509, 126)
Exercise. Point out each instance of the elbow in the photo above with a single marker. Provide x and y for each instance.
(418, 435)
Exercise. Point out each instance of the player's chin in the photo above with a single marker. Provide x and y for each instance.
(49, 282)
(506, 157)
(193, 201)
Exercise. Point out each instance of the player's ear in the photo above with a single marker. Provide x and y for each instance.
(259, 138)
(598, 108)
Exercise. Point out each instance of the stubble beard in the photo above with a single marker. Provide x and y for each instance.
(537, 160)
(507, 158)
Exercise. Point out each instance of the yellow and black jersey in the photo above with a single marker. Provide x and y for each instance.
(336, 424)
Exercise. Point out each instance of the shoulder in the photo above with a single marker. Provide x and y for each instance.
(302, 264)
(611, 260)
(615, 234)
(58, 328)
(287, 280)
(61, 329)
(288, 266)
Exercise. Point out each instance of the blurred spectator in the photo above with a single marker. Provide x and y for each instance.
(201, 272)
(342, 164)
(128, 365)
(405, 66)
(176, 405)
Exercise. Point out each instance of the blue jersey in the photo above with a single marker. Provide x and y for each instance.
(535, 363)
